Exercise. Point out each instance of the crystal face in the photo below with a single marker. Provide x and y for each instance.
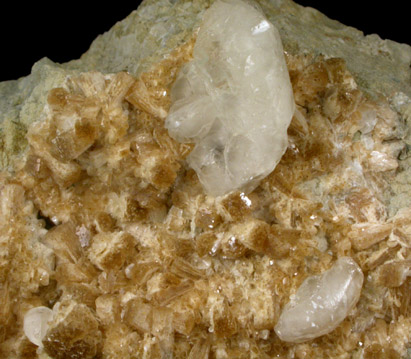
(321, 303)
(234, 99)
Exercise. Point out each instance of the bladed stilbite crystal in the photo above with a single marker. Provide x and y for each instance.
(234, 99)
(321, 303)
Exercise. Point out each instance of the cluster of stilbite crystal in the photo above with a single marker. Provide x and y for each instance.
(234, 99)
(321, 302)
(105, 224)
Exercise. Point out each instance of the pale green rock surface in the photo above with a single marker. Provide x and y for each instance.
(151, 32)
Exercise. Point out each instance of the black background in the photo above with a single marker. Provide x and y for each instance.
(64, 30)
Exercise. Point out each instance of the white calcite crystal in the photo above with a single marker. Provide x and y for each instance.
(36, 324)
(234, 99)
(321, 303)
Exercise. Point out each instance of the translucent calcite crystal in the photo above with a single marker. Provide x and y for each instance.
(36, 324)
(234, 100)
(321, 303)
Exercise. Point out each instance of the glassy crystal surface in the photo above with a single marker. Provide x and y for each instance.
(36, 324)
(234, 99)
(321, 303)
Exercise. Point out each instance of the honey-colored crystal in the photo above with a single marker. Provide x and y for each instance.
(73, 332)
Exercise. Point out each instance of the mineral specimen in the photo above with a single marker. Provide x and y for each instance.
(321, 302)
(36, 324)
(234, 99)
(102, 219)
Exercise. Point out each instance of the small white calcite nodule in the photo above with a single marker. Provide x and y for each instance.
(234, 100)
(36, 324)
(321, 303)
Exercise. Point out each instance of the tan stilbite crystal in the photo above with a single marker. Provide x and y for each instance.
(73, 332)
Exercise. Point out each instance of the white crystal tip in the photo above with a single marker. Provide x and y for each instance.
(36, 324)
